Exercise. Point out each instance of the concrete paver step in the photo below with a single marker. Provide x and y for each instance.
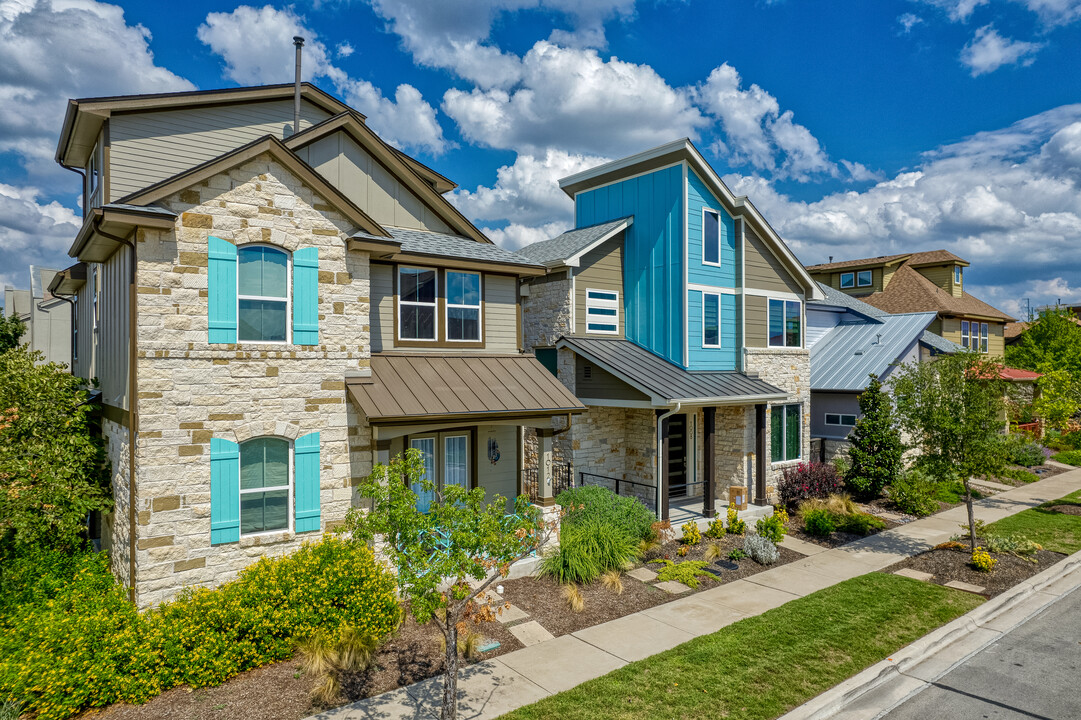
(643, 574)
(530, 633)
(914, 574)
(967, 587)
(512, 614)
(672, 587)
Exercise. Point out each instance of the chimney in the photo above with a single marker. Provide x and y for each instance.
(299, 42)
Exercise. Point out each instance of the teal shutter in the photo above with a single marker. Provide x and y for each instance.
(221, 290)
(306, 296)
(224, 491)
(306, 480)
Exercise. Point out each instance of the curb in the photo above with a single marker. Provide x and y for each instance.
(881, 687)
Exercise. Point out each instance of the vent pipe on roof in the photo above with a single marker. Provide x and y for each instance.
(299, 42)
(831, 258)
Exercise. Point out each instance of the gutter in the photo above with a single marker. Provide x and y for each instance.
(660, 424)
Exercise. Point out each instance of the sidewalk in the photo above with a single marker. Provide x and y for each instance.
(493, 687)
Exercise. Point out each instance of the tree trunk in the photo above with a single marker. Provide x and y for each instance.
(971, 518)
(450, 672)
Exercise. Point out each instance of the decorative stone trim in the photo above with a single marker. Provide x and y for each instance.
(278, 428)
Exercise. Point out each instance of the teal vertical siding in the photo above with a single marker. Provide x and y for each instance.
(699, 197)
(653, 254)
(726, 357)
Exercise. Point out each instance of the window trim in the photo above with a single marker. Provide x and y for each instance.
(720, 260)
(450, 435)
(290, 507)
(870, 278)
(399, 302)
(704, 343)
(965, 334)
(840, 419)
(958, 275)
(479, 307)
(851, 280)
(288, 294)
(784, 333)
(783, 407)
(439, 448)
(983, 338)
(606, 304)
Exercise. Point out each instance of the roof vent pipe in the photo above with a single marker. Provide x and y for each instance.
(299, 42)
(831, 258)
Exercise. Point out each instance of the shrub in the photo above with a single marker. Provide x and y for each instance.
(572, 594)
(773, 527)
(686, 572)
(1020, 450)
(683, 551)
(982, 560)
(808, 480)
(859, 523)
(586, 549)
(1016, 545)
(1020, 475)
(761, 549)
(593, 501)
(613, 580)
(691, 534)
(736, 555)
(818, 522)
(913, 493)
(735, 525)
(836, 504)
(79, 643)
(1069, 457)
(716, 530)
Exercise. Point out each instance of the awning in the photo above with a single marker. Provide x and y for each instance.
(426, 387)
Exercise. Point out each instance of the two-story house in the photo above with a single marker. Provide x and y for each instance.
(676, 315)
(273, 299)
(922, 282)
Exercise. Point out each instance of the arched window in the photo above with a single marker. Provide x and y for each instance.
(266, 471)
(262, 294)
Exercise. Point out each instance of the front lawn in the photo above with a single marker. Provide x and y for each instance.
(763, 666)
(1056, 525)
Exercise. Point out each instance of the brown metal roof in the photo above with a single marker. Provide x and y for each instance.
(414, 386)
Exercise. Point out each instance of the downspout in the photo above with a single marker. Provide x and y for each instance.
(660, 461)
(133, 405)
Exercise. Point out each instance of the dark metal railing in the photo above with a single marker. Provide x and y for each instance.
(645, 494)
(562, 479)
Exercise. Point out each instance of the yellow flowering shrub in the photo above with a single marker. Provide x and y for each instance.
(691, 534)
(81, 644)
(982, 560)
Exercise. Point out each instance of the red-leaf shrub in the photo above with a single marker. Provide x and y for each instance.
(808, 480)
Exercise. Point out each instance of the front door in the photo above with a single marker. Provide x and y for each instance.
(677, 456)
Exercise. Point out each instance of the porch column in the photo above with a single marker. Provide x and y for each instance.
(760, 454)
(663, 452)
(382, 451)
(545, 497)
(709, 465)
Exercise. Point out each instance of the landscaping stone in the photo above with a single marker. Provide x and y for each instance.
(672, 587)
(530, 633)
(512, 614)
(643, 574)
(914, 574)
(967, 587)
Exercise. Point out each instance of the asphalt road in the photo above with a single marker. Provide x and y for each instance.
(1034, 671)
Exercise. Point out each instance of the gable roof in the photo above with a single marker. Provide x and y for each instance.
(568, 248)
(919, 259)
(844, 358)
(403, 168)
(739, 206)
(836, 298)
(908, 291)
(408, 244)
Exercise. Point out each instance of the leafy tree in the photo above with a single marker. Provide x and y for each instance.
(953, 409)
(1059, 398)
(53, 469)
(460, 539)
(11, 329)
(876, 444)
(1051, 342)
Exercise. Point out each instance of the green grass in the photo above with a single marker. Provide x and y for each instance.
(760, 667)
(1055, 531)
(953, 492)
(1069, 457)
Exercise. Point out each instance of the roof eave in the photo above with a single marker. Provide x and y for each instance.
(91, 245)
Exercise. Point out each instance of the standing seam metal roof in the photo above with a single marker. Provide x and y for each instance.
(845, 356)
(656, 376)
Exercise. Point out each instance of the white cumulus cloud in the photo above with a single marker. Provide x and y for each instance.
(32, 231)
(987, 51)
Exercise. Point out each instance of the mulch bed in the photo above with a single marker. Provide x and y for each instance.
(1042, 472)
(948, 564)
(1066, 509)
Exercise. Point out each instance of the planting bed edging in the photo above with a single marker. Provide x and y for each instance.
(886, 684)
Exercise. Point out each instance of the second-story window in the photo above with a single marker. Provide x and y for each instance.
(785, 323)
(964, 334)
(463, 306)
(957, 273)
(848, 280)
(983, 337)
(262, 294)
(711, 238)
(602, 311)
(711, 320)
(863, 278)
(417, 304)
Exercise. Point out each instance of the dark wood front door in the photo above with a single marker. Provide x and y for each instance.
(677, 456)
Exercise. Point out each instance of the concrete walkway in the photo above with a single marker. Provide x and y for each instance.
(493, 687)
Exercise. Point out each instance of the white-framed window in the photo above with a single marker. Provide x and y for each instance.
(445, 457)
(840, 419)
(266, 485)
(964, 334)
(463, 306)
(711, 320)
(786, 436)
(848, 280)
(711, 237)
(863, 278)
(983, 337)
(602, 311)
(263, 294)
(958, 274)
(785, 323)
(417, 293)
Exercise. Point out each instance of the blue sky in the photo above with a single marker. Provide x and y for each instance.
(858, 128)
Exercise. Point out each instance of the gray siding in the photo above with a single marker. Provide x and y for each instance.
(112, 333)
(600, 269)
(822, 403)
(763, 270)
(382, 307)
(602, 384)
(756, 327)
(84, 366)
(501, 313)
(148, 147)
(367, 183)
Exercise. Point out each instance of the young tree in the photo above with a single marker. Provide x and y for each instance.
(1059, 398)
(11, 329)
(53, 468)
(1051, 342)
(953, 408)
(876, 444)
(460, 538)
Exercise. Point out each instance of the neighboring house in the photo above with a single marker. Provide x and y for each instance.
(676, 315)
(849, 340)
(47, 316)
(922, 282)
(271, 312)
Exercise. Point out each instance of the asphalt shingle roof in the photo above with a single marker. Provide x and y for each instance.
(840, 299)
(908, 291)
(569, 243)
(939, 343)
(423, 242)
(845, 356)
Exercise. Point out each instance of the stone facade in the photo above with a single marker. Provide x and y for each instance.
(190, 391)
(116, 528)
(789, 370)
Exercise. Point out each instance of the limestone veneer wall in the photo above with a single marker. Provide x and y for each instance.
(789, 370)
